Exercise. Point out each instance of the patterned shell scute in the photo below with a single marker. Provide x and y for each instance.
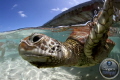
(80, 33)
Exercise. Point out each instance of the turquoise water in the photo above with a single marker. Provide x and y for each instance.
(13, 67)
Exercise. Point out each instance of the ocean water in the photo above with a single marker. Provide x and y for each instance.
(13, 67)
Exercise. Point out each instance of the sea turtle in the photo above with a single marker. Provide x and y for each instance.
(86, 46)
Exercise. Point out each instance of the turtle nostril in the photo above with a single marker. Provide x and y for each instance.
(36, 38)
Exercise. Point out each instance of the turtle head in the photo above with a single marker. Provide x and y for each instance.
(42, 51)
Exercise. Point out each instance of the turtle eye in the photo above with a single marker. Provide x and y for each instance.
(36, 38)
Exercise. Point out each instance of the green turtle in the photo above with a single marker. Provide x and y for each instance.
(86, 46)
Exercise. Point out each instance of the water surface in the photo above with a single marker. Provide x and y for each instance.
(13, 67)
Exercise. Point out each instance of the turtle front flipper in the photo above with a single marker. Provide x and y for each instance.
(98, 33)
(102, 51)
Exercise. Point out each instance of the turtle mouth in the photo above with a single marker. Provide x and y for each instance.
(41, 61)
(31, 54)
(30, 57)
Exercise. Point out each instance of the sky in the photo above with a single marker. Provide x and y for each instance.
(16, 14)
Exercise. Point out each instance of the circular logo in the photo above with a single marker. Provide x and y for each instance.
(109, 68)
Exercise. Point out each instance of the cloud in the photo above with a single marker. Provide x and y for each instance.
(15, 5)
(70, 3)
(64, 9)
(74, 2)
(58, 9)
(55, 9)
(21, 13)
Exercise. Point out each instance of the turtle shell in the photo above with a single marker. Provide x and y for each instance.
(80, 33)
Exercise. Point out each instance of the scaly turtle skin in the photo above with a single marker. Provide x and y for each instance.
(83, 48)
